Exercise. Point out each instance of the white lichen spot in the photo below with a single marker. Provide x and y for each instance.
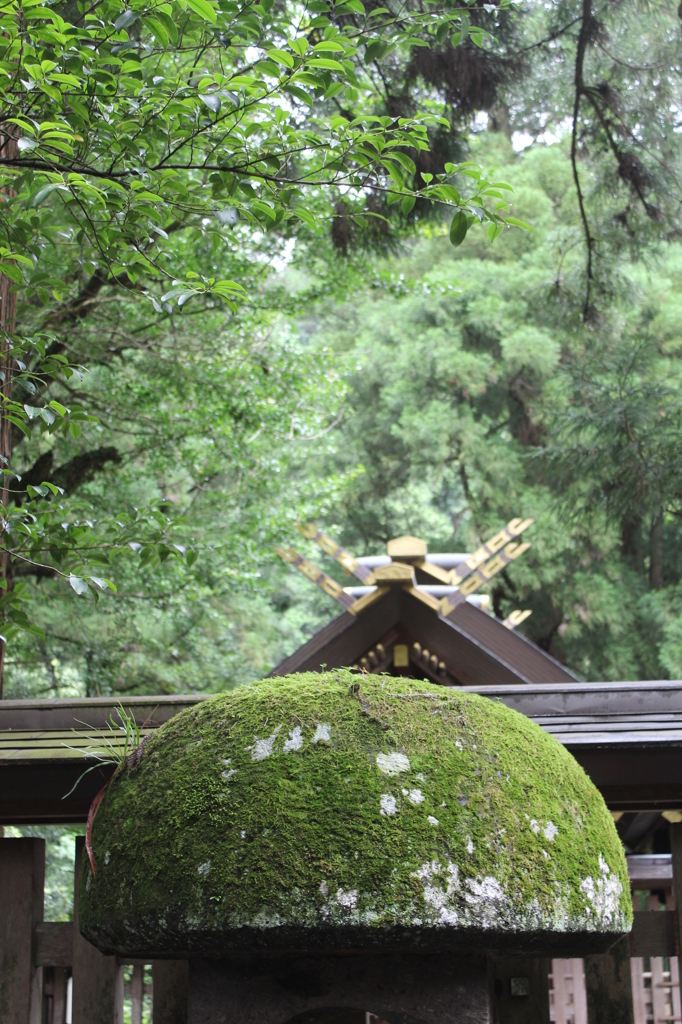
(469, 846)
(488, 897)
(545, 854)
(458, 744)
(604, 893)
(243, 834)
(324, 888)
(204, 869)
(388, 805)
(393, 763)
(420, 776)
(551, 831)
(534, 826)
(440, 883)
(295, 741)
(347, 898)
(107, 856)
(263, 748)
(415, 796)
(323, 732)
(431, 820)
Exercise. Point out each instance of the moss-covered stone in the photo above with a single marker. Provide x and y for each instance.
(335, 810)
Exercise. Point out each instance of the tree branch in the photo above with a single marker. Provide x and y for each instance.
(72, 474)
(583, 38)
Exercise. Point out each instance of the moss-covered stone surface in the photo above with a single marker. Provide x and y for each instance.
(336, 810)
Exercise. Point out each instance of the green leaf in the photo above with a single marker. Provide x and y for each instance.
(212, 101)
(375, 51)
(459, 228)
(45, 191)
(323, 62)
(78, 584)
(281, 57)
(203, 9)
(519, 223)
(11, 270)
(408, 204)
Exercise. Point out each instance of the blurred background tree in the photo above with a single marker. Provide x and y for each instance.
(382, 381)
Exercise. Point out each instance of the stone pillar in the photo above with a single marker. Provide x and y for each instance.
(170, 980)
(400, 988)
(520, 990)
(608, 984)
(95, 976)
(22, 879)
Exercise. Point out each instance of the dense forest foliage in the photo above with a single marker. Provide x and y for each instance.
(287, 331)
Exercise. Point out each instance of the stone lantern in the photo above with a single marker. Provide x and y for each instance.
(329, 844)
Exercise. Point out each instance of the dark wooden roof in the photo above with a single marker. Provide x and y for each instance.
(476, 648)
(627, 737)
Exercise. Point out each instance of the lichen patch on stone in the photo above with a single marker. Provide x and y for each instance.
(604, 893)
(295, 741)
(347, 898)
(322, 733)
(260, 749)
(388, 805)
(393, 764)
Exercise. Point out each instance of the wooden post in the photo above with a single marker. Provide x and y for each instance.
(22, 880)
(520, 991)
(137, 994)
(608, 984)
(676, 848)
(171, 982)
(59, 995)
(94, 975)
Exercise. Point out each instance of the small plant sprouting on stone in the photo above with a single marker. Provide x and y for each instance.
(122, 751)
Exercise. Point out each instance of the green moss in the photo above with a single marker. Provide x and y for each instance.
(371, 808)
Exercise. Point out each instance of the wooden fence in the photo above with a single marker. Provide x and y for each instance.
(655, 991)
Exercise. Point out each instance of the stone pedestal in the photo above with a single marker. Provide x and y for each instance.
(400, 989)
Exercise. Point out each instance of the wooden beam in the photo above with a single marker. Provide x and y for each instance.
(22, 879)
(97, 987)
(54, 944)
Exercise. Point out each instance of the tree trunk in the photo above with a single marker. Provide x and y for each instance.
(656, 554)
(8, 314)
